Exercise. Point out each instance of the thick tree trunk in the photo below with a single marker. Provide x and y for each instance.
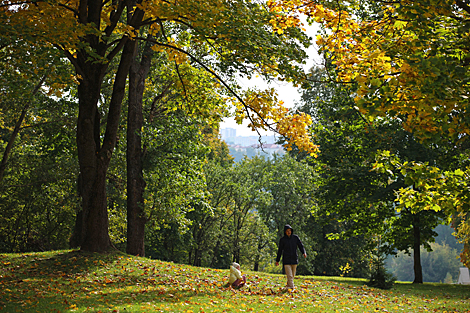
(94, 158)
(94, 150)
(92, 182)
(416, 251)
(136, 218)
(96, 237)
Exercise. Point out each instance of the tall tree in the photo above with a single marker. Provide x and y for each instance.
(410, 61)
(348, 189)
(136, 218)
(236, 35)
(183, 87)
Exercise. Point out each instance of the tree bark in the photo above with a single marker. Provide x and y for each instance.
(417, 251)
(257, 258)
(136, 218)
(94, 155)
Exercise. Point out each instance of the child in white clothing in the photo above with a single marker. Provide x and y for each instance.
(236, 279)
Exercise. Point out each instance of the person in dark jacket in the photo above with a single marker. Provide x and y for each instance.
(288, 250)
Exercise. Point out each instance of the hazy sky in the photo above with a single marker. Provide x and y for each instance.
(286, 92)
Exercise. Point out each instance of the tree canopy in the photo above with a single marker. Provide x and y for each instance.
(99, 39)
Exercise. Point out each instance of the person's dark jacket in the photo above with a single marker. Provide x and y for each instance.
(288, 248)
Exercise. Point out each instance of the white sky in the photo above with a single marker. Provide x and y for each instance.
(286, 92)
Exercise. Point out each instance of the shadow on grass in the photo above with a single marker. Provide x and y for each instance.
(75, 280)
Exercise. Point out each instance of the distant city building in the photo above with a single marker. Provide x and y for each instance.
(228, 133)
(249, 140)
(268, 151)
(250, 146)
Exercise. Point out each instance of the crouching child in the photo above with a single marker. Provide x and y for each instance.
(236, 279)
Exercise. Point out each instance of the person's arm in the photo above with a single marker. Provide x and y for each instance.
(301, 247)
(238, 274)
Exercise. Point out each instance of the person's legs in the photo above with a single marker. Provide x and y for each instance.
(290, 273)
(239, 283)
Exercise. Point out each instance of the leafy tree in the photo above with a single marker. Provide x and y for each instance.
(28, 74)
(379, 276)
(234, 36)
(184, 89)
(236, 194)
(434, 189)
(348, 191)
(248, 194)
(38, 191)
(339, 257)
(224, 227)
(195, 240)
(409, 60)
(290, 184)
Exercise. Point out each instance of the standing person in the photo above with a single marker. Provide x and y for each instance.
(288, 250)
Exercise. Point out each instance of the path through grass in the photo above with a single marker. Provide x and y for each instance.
(71, 281)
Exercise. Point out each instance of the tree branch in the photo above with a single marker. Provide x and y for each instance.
(246, 106)
(16, 130)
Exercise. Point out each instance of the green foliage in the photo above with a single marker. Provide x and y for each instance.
(414, 70)
(379, 277)
(434, 190)
(38, 193)
(239, 219)
(199, 45)
(348, 190)
(238, 194)
(329, 257)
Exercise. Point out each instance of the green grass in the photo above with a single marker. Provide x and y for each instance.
(71, 281)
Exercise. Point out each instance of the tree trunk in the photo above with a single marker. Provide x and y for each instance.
(416, 251)
(94, 157)
(258, 256)
(88, 143)
(94, 149)
(136, 218)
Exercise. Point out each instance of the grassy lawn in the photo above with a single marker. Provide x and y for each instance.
(71, 281)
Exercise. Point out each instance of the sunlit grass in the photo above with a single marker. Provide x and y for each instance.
(71, 281)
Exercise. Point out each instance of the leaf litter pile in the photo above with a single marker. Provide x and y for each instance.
(71, 281)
